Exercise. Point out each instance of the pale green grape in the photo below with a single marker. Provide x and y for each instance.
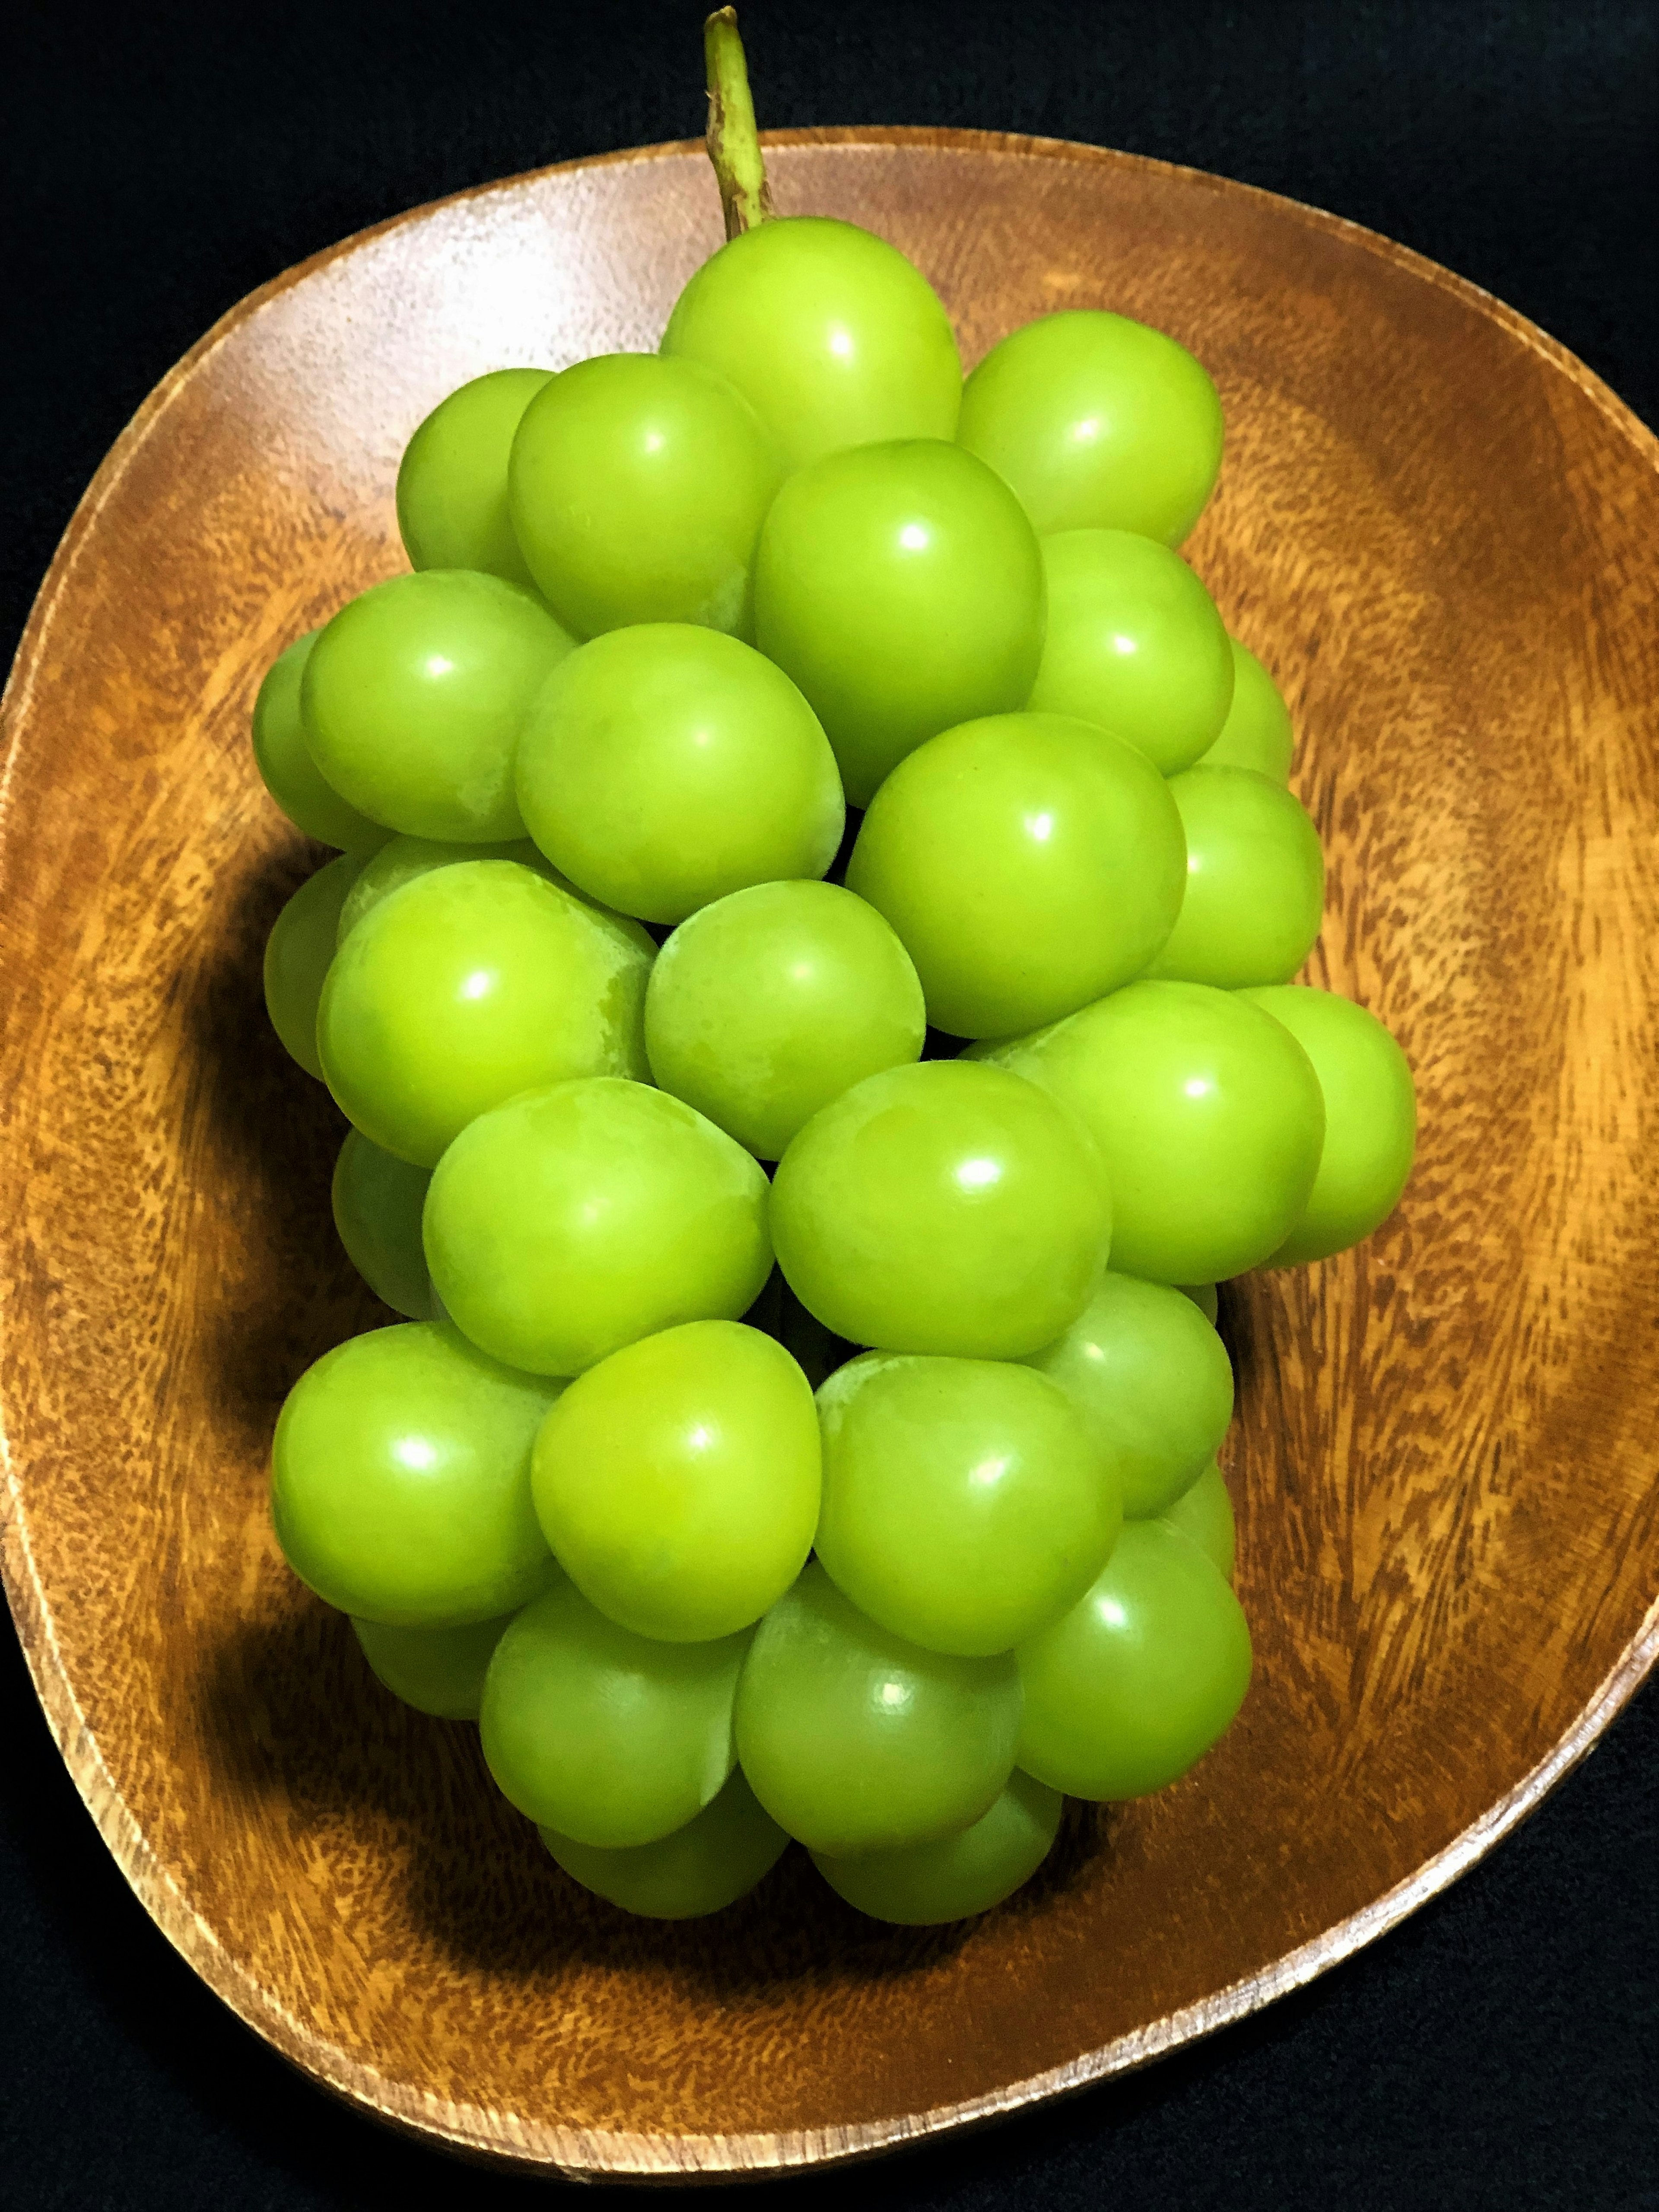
(1257, 732)
(1204, 1512)
(290, 774)
(438, 1671)
(377, 1211)
(714, 1859)
(920, 1885)
(452, 482)
(298, 953)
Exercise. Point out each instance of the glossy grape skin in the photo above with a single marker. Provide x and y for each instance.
(400, 1480)
(377, 1201)
(452, 482)
(401, 860)
(952, 1878)
(945, 1207)
(1152, 1383)
(439, 1671)
(1097, 424)
(677, 1481)
(1209, 1127)
(1133, 1685)
(770, 1003)
(965, 1502)
(1203, 1295)
(856, 1740)
(638, 485)
(605, 1736)
(468, 984)
(666, 766)
(1257, 732)
(290, 774)
(1204, 1513)
(1029, 862)
(1133, 645)
(573, 1220)
(415, 694)
(901, 586)
(828, 330)
(1255, 882)
(1371, 1118)
(298, 953)
(714, 1860)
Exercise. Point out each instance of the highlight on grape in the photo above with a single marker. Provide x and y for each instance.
(809, 972)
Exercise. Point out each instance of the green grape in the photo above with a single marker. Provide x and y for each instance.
(1204, 1513)
(709, 1864)
(400, 1480)
(1209, 1127)
(856, 1740)
(1135, 644)
(966, 1504)
(466, 986)
(1255, 882)
(1203, 1295)
(666, 766)
(1030, 863)
(377, 1210)
(829, 333)
(452, 485)
(298, 953)
(677, 1481)
(1371, 1118)
(605, 1736)
(773, 1001)
(945, 1207)
(415, 694)
(922, 1885)
(438, 1671)
(572, 1221)
(290, 775)
(1152, 1383)
(1099, 424)
(1257, 732)
(1133, 1685)
(403, 859)
(901, 586)
(639, 486)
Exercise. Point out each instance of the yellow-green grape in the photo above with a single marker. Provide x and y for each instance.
(830, 333)
(438, 1671)
(1255, 882)
(856, 1740)
(1371, 1118)
(1151, 1380)
(290, 774)
(468, 984)
(298, 954)
(377, 1211)
(1135, 644)
(677, 1481)
(1257, 732)
(573, 1220)
(1131, 1688)
(1204, 1512)
(945, 1207)
(638, 485)
(1099, 424)
(1203, 1295)
(666, 766)
(402, 858)
(452, 485)
(605, 1736)
(922, 1884)
(400, 1480)
(709, 1864)
(772, 1002)
(966, 1504)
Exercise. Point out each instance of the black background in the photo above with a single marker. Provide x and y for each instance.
(1503, 2048)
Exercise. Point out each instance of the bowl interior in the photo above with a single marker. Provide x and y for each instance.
(1438, 531)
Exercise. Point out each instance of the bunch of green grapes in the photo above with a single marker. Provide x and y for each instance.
(804, 1416)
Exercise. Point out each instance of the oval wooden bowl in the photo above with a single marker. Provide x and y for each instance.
(1438, 529)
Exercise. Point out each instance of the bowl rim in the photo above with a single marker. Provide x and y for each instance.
(587, 2154)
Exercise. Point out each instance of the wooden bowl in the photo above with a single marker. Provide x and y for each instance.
(1438, 529)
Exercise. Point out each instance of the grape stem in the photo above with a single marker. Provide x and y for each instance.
(734, 145)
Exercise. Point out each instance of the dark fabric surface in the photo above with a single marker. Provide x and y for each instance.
(1503, 2048)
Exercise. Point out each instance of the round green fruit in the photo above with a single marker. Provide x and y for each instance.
(298, 954)
(452, 482)
(714, 1860)
(1257, 732)
(1255, 882)
(922, 1884)
(1204, 1513)
(290, 774)
(439, 1671)
(377, 1211)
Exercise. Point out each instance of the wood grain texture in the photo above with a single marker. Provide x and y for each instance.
(1438, 530)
